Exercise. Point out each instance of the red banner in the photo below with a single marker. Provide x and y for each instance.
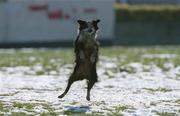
(38, 7)
(55, 14)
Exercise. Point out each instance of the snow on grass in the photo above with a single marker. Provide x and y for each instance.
(162, 56)
(133, 88)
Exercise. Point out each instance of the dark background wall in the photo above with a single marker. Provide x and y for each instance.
(147, 33)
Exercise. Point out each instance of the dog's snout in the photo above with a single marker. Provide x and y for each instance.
(90, 30)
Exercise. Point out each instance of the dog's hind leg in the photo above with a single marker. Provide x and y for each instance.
(90, 85)
(91, 82)
(70, 82)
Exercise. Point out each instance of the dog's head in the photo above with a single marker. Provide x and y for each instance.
(88, 29)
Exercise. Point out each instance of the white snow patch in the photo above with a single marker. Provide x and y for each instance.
(32, 59)
(139, 91)
(161, 56)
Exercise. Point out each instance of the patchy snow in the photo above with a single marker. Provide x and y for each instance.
(143, 92)
(7, 51)
(161, 56)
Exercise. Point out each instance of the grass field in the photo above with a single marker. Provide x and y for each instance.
(132, 81)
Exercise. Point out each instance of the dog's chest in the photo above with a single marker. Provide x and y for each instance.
(89, 43)
(90, 48)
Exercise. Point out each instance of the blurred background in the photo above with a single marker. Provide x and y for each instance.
(139, 71)
(52, 23)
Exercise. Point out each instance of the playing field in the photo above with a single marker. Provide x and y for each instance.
(132, 81)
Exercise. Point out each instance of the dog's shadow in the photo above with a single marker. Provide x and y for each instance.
(76, 109)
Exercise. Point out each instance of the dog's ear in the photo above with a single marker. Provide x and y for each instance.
(81, 22)
(95, 23)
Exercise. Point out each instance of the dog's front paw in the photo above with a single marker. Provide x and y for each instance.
(92, 59)
(61, 96)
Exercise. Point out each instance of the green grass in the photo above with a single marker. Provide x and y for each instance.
(134, 54)
(24, 105)
(41, 56)
(51, 111)
(1, 105)
(19, 114)
(158, 90)
(28, 109)
(52, 60)
(166, 114)
(117, 110)
(178, 102)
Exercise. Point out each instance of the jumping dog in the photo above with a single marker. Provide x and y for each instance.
(86, 56)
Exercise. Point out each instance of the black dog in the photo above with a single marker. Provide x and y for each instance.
(86, 51)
